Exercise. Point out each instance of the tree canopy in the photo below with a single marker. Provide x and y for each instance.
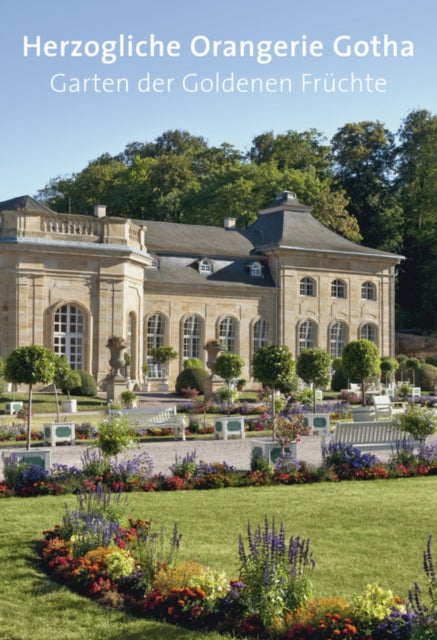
(368, 184)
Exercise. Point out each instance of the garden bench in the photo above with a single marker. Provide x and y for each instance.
(55, 432)
(368, 435)
(385, 407)
(148, 418)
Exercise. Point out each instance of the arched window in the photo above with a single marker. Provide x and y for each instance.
(368, 332)
(228, 334)
(192, 337)
(260, 334)
(337, 339)
(338, 289)
(69, 335)
(205, 266)
(307, 335)
(256, 270)
(368, 291)
(155, 338)
(307, 287)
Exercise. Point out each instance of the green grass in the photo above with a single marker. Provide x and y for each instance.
(46, 402)
(360, 532)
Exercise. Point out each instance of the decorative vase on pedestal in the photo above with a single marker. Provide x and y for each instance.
(213, 349)
(116, 382)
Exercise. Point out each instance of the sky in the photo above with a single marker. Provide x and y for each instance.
(80, 78)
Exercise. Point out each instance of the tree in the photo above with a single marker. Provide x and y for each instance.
(162, 355)
(363, 155)
(228, 366)
(65, 378)
(313, 366)
(273, 366)
(389, 366)
(30, 365)
(361, 359)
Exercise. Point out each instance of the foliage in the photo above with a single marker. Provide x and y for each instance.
(114, 435)
(163, 355)
(426, 377)
(191, 363)
(30, 365)
(313, 366)
(128, 396)
(276, 575)
(87, 387)
(193, 378)
(360, 360)
(388, 367)
(418, 421)
(348, 461)
(228, 366)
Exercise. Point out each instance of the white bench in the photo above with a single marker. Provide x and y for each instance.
(55, 432)
(368, 435)
(384, 407)
(148, 418)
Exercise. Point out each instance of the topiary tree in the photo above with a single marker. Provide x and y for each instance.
(273, 366)
(30, 365)
(413, 365)
(314, 367)
(361, 359)
(65, 378)
(228, 366)
(193, 363)
(193, 378)
(162, 355)
(389, 366)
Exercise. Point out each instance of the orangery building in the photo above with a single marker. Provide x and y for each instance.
(69, 282)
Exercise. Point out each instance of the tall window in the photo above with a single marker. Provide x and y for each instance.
(228, 334)
(338, 289)
(155, 338)
(260, 334)
(131, 349)
(307, 335)
(192, 337)
(368, 291)
(69, 335)
(307, 287)
(368, 332)
(337, 339)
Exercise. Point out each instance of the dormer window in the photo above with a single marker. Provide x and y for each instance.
(256, 270)
(205, 266)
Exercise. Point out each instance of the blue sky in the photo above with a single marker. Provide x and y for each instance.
(47, 131)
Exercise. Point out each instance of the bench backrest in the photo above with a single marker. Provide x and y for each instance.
(146, 414)
(369, 432)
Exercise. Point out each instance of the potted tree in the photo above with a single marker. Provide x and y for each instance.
(66, 379)
(360, 360)
(129, 399)
(32, 365)
(145, 369)
(274, 367)
(313, 366)
(163, 355)
(229, 366)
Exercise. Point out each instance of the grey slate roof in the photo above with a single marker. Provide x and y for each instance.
(23, 203)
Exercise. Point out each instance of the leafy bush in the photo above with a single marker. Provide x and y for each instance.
(88, 385)
(426, 377)
(193, 363)
(418, 421)
(193, 378)
(114, 435)
(339, 380)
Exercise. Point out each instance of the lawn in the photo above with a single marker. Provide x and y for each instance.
(360, 532)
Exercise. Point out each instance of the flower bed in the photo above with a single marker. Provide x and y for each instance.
(119, 562)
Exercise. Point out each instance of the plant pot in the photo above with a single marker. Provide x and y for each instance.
(37, 456)
(162, 386)
(232, 425)
(146, 386)
(12, 407)
(318, 421)
(69, 406)
(271, 450)
(363, 414)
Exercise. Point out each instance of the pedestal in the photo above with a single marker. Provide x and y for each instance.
(115, 388)
(211, 386)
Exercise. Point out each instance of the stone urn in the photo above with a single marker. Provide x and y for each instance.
(116, 347)
(213, 351)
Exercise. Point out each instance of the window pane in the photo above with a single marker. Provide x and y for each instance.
(307, 335)
(338, 289)
(307, 287)
(155, 338)
(337, 339)
(192, 336)
(260, 334)
(69, 335)
(228, 331)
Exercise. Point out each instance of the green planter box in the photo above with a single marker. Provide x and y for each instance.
(271, 450)
(13, 407)
(55, 432)
(230, 426)
(317, 421)
(39, 457)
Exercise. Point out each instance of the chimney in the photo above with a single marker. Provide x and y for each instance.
(229, 223)
(100, 210)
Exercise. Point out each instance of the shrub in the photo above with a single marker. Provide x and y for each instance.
(88, 387)
(193, 363)
(114, 435)
(339, 380)
(426, 377)
(193, 378)
(418, 421)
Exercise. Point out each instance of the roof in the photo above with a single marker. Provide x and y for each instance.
(24, 203)
(185, 269)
